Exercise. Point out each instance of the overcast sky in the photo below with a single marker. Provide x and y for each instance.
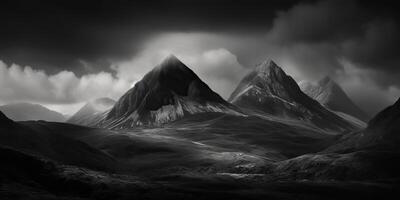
(62, 54)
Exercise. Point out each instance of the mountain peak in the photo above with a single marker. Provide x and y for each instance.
(169, 91)
(267, 67)
(169, 62)
(269, 78)
(171, 57)
(269, 89)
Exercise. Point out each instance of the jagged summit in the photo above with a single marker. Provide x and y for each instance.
(268, 66)
(171, 64)
(171, 61)
(327, 92)
(168, 92)
(270, 78)
(270, 90)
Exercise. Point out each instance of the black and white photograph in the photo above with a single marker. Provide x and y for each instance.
(199, 99)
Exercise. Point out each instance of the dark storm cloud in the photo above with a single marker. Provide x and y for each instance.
(352, 41)
(58, 35)
(366, 35)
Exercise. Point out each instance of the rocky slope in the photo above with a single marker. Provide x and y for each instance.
(330, 94)
(168, 92)
(269, 90)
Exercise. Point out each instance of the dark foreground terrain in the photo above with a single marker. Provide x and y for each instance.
(28, 177)
(215, 159)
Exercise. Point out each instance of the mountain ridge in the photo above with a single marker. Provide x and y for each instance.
(269, 89)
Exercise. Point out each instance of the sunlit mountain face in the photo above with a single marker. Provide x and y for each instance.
(199, 99)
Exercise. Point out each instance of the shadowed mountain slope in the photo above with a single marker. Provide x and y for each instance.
(382, 132)
(168, 92)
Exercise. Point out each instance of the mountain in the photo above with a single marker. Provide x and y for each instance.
(386, 123)
(168, 92)
(381, 132)
(328, 93)
(33, 138)
(370, 155)
(268, 89)
(28, 111)
(91, 111)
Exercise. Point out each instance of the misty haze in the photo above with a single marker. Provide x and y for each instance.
(295, 99)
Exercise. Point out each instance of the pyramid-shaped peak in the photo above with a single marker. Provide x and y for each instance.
(267, 67)
(171, 60)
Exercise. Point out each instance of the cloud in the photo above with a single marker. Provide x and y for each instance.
(364, 90)
(314, 39)
(318, 22)
(216, 66)
(25, 84)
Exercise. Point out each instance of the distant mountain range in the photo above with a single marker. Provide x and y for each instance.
(327, 92)
(91, 112)
(268, 89)
(28, 111)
